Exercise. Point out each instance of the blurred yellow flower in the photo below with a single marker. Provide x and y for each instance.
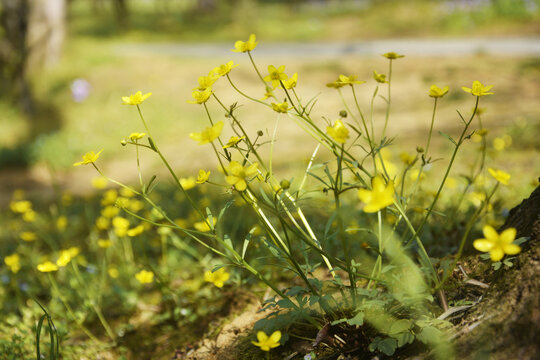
(380, 78)
(47, 267)
(266, 342)
(392, 55)
(413, 175)
(335, 84)
(109, 197)
(110, 211)
(206, 82)
(136, 136)
(224, 69)
(121, 226)
(233, 141)
(102, 223)
(137, 230)
(500, 176)
(276, 75)
(200, 96)
(497, 244)
(203, 176)
(144, 277)
(28, 236)
(478, 89)
(379, 197)
(238, 174)
(66, 256)
(20, 207)
(338, 132)
(188, 183)
(451, 182)
(99, 182)
(209, 134)
(349, 80)
(61, 223)
(13, 262)
(136, 205)
(135, 99)
(29, 216)
(217, 278)
(104, 243)
(281, 107)
(244, 46)
(204, 226)
(501, 143)
(290, 83)
(113, 272)
(88, 158)
(407, 158)
(127, 192)
(437, 92)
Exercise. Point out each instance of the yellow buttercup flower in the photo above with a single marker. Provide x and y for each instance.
(238, 174)
(104, 243)
(379, 197)
(135, 99)
(266, 342)
(113, 272)
(136, 136)
(276, 75)
(29, 216)
(204, 226)
(217, 278)
(28, 236)
(233, 141)
(478, 89)
(121, 226)
(335, 84)
(88, 158)
(47, 267)
(209, 134)
(66, 256)
(144, 277)
(501, 143)
(61, 223)
(13, 262)
(20, 207)
(281, 107)
(349, 80)
(437, 92)
(497, 244)
(500, 176)
(137, 230)
(338, 132)
(99, 182)
(203, 176)
(380, 78)
(110, 211)
(188, 183)
(392, 55)
(200, 96)
(244, 46)
(290, 82)
(224, 69)
(109, 197)
(206, 82)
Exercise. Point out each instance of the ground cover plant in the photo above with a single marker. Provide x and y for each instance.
(348, 255)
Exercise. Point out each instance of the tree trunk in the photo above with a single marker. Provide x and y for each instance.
(46, 32)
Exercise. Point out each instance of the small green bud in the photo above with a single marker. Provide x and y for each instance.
(260, 133)
(419, 149)
(343, 113)
(123, 142)
(285, 184)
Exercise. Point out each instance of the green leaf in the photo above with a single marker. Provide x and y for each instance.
(448, 137)
(400, 326)
(357, 320)
(404, 338)
(286, 304)
(429, 335)
(521, 240)
(387, 346)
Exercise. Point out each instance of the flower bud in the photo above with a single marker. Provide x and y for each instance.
(123, 142)
(260, 133)
(343, 113)
(419, 149)
(285, 184)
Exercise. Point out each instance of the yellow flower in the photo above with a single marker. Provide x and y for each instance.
(217, 278)
(102, 223)
(268, 94)
(437, 92)
(209, 134)
(291, 82)
(135, 99)
(204, 226)
(66, 256)
(13, 262)
(104, 243)
(241, 46)
(206, 82)
(349, 80)
(99, 182)
(20, 207)
(233, 141)
(61, 223)
(127, 192)
(275, 75)
(336, 84)
(88, 158)
(136, 136)
(121, 226)
(47, 267)
(497, 244)
(28, 236)
(29, 216)
(280, 107)
(137, 230)
(109, 197)
(500, 176)
(413, 175)
(110, 211)
(224, 69)
(267, 342)
(200, 96)
(379, 197)
(203, 176)
(113, 272)
(144, 277)
(238, 174)
(451, 182)
(136, 205)
(478, 89)
(338, 132)
(380, 78)
(392, 55)
(188, 183)
(407, 158)
(501, 143)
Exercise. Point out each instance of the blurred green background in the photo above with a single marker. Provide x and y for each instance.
(66, 63)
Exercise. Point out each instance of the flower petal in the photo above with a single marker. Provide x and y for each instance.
(507, 236)
(496, 254)
(490, 233)
(511, 249)
(483, 245)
